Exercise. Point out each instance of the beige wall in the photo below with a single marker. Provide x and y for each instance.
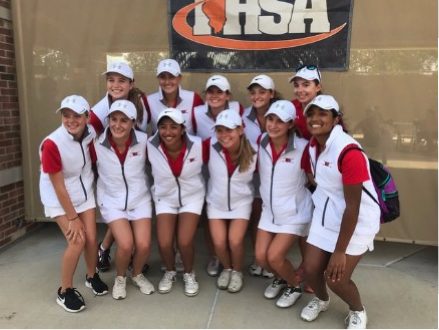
(62, 47)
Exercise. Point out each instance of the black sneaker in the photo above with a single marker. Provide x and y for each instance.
(95, 283)
(71, 300)
(103, 259)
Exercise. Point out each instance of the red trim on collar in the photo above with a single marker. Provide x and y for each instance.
(121, 156)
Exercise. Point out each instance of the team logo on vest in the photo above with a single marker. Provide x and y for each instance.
(255, 24)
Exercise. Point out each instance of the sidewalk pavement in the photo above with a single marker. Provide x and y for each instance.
(397, 282)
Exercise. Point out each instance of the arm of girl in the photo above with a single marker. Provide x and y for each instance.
(337, 262)
(75, 229)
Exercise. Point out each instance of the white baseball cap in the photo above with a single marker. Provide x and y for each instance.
(284, 109)
(228, 118)
(126, 107)
(308, 72)
(325, 102)
(262, 80)
(169, 65)
(174, 114)
(218, 81)
(121, 68)
(76, 103)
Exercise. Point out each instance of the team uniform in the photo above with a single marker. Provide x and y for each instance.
(60, 152)
(229, 192)
(99, 114)
(329, 199)
(202, 121)
(122, 187)
(186, 102)
(178, 184)
(287, 205)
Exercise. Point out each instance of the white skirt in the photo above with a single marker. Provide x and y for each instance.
(266, 223)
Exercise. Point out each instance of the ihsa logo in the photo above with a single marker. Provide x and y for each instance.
(255, 24)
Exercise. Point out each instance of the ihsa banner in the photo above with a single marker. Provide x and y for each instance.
(260, 35)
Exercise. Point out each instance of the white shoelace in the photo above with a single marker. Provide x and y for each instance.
(354, 317)
(314, 303)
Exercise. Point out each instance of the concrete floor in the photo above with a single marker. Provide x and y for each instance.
(398, 284)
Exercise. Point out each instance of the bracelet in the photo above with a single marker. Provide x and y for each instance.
(77, 216)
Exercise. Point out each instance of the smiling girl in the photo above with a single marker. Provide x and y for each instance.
(171, 94)
(345, 220)
(66, 189)
(286, 203)
(231, 165)
(123, 195)
(178, 192)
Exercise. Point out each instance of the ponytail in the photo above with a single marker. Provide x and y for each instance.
(135, 96)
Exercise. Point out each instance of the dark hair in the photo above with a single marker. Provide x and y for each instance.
(135, 96)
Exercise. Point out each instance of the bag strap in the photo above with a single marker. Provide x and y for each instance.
(340, 159)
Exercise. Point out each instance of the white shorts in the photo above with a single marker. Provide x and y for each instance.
(194, 207)
(326, 240)
(143, 211)
(242, 212)
(53, 212)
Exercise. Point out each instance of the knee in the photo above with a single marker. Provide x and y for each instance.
(142, 248)
(184, 244)
(336, 286)
(235, 244)
(77, 246)
(125, 248)
(275, 259)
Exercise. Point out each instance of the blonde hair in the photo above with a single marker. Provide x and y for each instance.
(245, 154)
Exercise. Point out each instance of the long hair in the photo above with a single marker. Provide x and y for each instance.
(245, 155)
(135, 96)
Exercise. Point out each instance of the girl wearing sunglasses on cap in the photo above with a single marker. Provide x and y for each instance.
(306, 86)
(66, 190)
(262, 94)
(345, 220)
(231, 164)
(286, 203)
(119, 79)
(218, 98)
(178, 192)
(123, 194)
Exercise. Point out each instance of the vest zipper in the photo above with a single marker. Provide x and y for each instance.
(271, 191)
(324, 212)
(80, 176)
(179, 191)
(126, 187)
(228, 193)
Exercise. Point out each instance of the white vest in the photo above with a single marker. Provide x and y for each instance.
(228, 193)
(182, 190)
(329, 197)
(102, 108)
(205, 123)
(122, 187)
(251, 126)
(185, 105)
(282, 187)
(76, 168)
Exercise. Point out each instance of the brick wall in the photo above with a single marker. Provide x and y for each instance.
(12, 223)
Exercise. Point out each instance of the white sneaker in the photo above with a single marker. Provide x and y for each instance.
(191, 287)
(236, 282)
(119, 287)
(356, 319)
(267, 274)
(273, 290)
(255, 270)
(312, 310)
(143, 284)
(224, 279)
(289, 297)
(179, 267)
(213, 267)
(168, 279)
